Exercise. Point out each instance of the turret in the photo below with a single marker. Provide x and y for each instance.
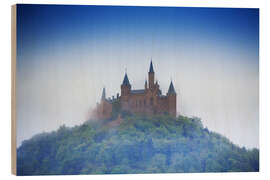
(125, 87)
(145, 85)
(172, 100)
(151, 76)
(171, 90)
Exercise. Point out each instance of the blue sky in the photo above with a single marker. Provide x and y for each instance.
(66, 54)
(71, 25)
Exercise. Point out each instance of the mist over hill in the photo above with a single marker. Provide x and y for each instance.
(134, 144)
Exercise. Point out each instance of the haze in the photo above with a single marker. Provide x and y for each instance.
(67, 54)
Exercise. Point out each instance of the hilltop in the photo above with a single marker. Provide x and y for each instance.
(137, 144)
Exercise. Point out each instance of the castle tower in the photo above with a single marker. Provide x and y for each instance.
(172, 100)
(125, 92)
(151, 76)
(125, 87)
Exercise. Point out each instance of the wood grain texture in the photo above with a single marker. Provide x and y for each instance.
(13, 88)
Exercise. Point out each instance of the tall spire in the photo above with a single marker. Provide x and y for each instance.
(126, 81)
(151, 69)
(171, 89)
(103, 97)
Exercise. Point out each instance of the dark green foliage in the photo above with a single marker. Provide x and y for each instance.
(141, 144)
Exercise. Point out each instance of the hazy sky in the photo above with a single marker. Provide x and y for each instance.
(67, 54)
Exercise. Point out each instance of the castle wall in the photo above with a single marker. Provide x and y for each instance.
(148, 103)
(103, 110)
(172, 104)
(163, 106)
(135, 103)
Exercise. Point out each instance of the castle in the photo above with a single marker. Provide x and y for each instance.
(141, 101)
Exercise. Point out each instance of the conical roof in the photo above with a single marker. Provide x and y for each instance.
(171, 89)
(151, 69)
(126, 81)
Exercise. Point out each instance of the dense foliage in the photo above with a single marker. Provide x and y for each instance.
(140, 144)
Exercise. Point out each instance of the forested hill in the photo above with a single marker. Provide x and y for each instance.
(158, 144)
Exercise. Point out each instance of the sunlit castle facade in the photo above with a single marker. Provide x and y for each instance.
(148, 101)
